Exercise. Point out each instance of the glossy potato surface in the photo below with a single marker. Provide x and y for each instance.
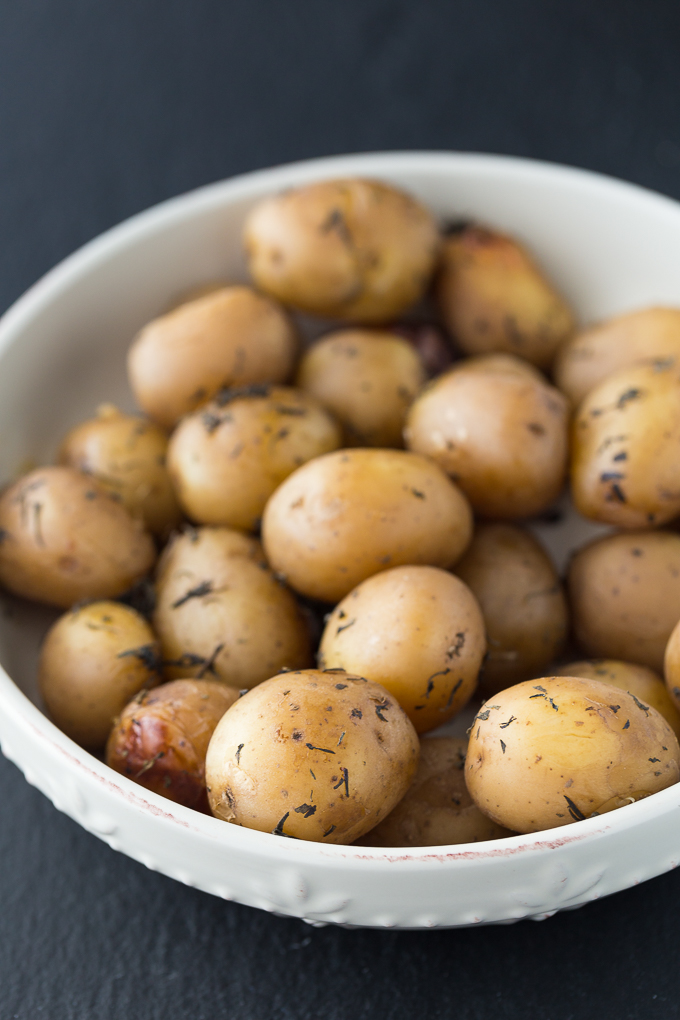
(353, 513)
(318, 756)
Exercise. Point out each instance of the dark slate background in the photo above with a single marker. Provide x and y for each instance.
(108, 106)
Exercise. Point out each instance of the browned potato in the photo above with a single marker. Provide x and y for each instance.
(353, 513)
(368, 379)
(228, 458)
(641, 681)
(220, 613)
(356, 250)
(64, 539)
(317, 756)
(92, 661)
(559, 749)
(624, 592)
(230, 337)
(606, 348)
(498, 432)
(161, 738)
(493, 297)
(126, 455)
(625, 464)
(437, 809)
(419, 632)
(522, 602)
(671, 665)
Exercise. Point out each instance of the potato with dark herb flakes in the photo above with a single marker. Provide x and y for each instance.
(419, 632)
(64, 539)
(357, 250)
(92, 661)
(314, 755)
(556, 750)
(228, 458)
(161, 738)
(230, 337)
(221, 614)
(350, 514)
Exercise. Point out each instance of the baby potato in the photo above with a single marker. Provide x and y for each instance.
(318, 756)
(557, 750)
(161, 738)
(64, 539)
(641, 681)
(498, 432)
(624, 593)
(220, 613)
(126, 455)
(228, 458)
(600, 351)
(353, 513)
(493, 297)
(93, 659)
(671, 665)
(229, 337)
(367, 379)
(419, 632)
(625, 462)
(437, 809)
(522, 602)
(356, 250)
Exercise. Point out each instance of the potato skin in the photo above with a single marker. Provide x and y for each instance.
(522, 602)
(600, 351)
(227, 459)
(624, 595)
(493, 297)
(671, 665)
(126, 455)
(419, 632)
(498, 432)
(319, 756)
(92, 661)
(555, 750)
(230, 337)
(356, 250)
(162, 736)
(63, 539)
(437, 809)
(367, 379)
(220, 614)
(350, 514)
(625, 462)
(641, 681)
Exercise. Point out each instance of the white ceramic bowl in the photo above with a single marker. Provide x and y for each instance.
(610, 247)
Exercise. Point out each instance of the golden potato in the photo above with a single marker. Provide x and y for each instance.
(557, 750)
(353, 513)
(318, 756)
(671, 665)
(368, 379)
(227, 459)
(437, 809)
(493, 297)
(498, 432)
(229, 337)
(522, 602)
(356, 250)
(600, 351)
(419, 632)
(624, 594)
(162, 736)
(625, 462)
(221, 614)
(126, 455)
(641, 681)
(64, 539)
(93, 659)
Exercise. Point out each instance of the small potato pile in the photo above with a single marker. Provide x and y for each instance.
(303, 557)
